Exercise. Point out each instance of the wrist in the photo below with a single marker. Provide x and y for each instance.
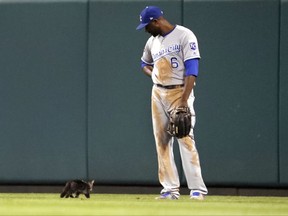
(183, 103)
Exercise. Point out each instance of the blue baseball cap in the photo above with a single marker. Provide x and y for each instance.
(148, 14)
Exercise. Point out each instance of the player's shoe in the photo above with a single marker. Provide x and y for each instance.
(168, 195)
(197, 196)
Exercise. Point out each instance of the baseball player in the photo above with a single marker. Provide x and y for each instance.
(170, 58)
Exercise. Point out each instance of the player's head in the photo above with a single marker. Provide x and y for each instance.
(149, 14)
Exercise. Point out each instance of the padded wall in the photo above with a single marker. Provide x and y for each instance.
(74, 102)
(42, 91)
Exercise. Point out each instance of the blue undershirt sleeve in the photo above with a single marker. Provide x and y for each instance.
(191, 67)
(143, 64)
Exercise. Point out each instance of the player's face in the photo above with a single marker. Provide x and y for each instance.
(152, 28)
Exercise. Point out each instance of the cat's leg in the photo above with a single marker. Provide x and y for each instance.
(65, 190)
(62, 194)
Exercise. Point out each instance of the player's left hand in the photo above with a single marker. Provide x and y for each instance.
(180, 122)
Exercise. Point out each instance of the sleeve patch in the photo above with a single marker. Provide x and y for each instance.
(193, 46)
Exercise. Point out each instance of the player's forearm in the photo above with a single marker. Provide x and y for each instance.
(189, 85)
(147, 70)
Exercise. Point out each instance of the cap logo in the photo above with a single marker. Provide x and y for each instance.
(140, 18)
(151, 18)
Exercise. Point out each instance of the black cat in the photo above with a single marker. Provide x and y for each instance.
(77, 187)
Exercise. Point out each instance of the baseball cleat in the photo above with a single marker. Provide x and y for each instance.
(168, 195)
(197, 196)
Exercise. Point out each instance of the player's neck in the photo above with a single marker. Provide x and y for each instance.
(168, 31)
(167, 28)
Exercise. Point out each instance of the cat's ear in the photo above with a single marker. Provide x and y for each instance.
(92, 182)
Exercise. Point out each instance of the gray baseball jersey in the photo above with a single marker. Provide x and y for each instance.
(167, 54)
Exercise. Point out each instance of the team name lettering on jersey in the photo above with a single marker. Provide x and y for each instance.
(167, 50)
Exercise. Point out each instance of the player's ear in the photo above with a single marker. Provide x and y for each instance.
(156, 22)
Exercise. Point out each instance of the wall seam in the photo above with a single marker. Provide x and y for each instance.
(182, 12)
(278, 93)
(87, 88)
(181, 171)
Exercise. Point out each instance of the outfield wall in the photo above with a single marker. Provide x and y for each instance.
(75, 104)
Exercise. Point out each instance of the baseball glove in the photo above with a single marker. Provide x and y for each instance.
(179, 122)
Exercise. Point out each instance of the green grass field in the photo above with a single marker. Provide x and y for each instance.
(124, 204)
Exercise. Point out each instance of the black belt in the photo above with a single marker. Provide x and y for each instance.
(170, 86)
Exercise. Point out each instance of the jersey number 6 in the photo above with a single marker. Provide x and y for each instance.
(174, 62)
